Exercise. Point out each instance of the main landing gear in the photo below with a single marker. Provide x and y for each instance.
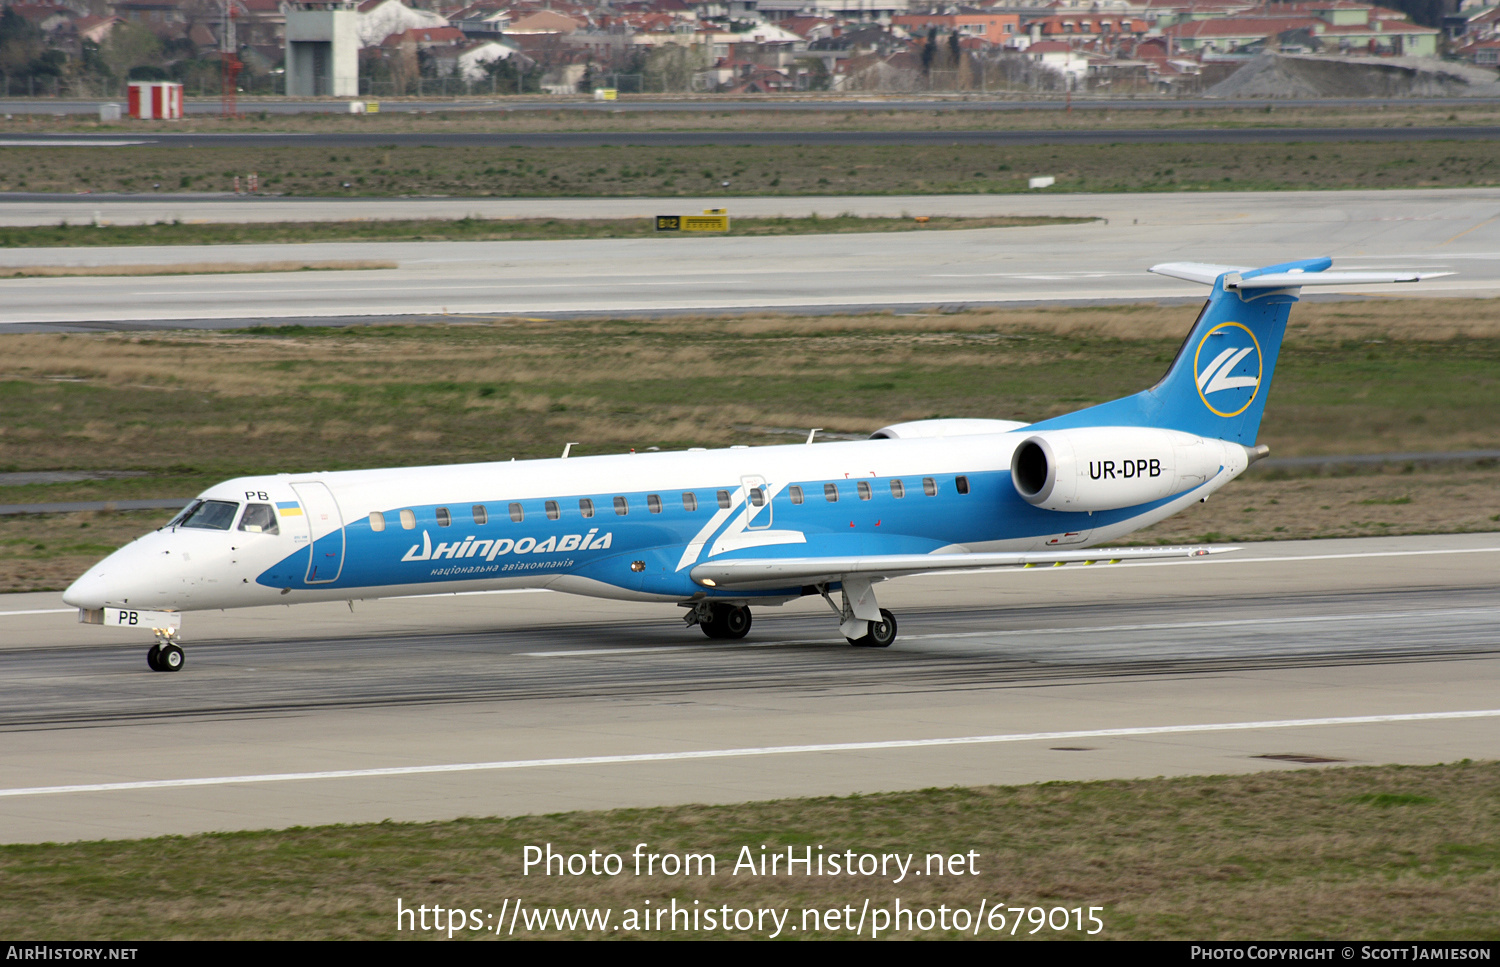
(165, 655)
(880, 634)
(862, 621)
(720, 620)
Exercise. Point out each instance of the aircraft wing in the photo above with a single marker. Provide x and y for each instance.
(765, 573)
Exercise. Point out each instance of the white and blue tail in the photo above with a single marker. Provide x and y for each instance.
(1218, 384)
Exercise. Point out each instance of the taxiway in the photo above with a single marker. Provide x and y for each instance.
(1451, 230)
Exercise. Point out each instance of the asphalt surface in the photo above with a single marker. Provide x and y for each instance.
(1360, 651)
(1453, 230)
(666, 139)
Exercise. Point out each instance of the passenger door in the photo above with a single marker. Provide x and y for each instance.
(325, 531)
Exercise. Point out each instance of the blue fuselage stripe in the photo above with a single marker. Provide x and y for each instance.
(463, 550)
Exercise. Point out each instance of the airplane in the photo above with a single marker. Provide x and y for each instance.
(717, 531)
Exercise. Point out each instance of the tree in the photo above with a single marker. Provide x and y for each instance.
(130, 45)
(672, 67)
(516, 74)
(21, 44)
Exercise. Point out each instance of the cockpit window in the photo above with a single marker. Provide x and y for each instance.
(261, 519)
(184, 512)
(213, 515)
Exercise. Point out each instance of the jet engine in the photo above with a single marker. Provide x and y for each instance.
(1108, 467)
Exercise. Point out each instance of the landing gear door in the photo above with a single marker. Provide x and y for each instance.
(757, 503)
(325, 531)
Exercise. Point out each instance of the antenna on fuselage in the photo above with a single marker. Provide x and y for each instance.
(567, 447)
(812, 433)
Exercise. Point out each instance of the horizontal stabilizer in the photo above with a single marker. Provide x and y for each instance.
(1203, 272)
(751, 573)
(1282, 280)
(1239, 277)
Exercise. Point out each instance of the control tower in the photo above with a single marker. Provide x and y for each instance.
(322, 48)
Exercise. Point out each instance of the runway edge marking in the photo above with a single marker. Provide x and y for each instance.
(752, 751)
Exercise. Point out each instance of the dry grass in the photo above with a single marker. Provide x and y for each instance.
(193, 408)
(188, 268)
(1357, 853)
(773, 170)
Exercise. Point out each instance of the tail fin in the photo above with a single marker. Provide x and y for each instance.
(1218, 383)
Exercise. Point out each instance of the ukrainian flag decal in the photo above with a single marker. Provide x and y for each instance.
(289, 508)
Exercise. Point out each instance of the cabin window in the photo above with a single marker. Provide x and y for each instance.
(516, 513)
(481, 516)
(689, 502)
(757, 496)
(653, 503)
(261, 519)
(864, 489)
(962, 483)
(723, 496)
(213, 515)
(622, 506)
(831, 493)
(586, 507)
(797, 497)
(898, 489)
(443, 517)
(929, 486)
(552, 512)
(408, 520)
(377, 520)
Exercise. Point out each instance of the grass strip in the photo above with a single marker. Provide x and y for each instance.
(1376, 853)
(776, 170)
(469, 229)
(186, 268)
(193, 408)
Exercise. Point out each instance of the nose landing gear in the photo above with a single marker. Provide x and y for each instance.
(165, 655)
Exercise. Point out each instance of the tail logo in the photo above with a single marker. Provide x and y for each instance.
(1228, 370)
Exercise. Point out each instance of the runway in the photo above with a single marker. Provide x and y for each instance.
(1105, 259)
(1358, 651)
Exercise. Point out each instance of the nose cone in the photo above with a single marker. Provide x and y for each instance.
(146, 573)
(90, 591)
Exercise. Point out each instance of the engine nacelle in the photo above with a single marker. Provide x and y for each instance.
(1109, 467)
(932, 429)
